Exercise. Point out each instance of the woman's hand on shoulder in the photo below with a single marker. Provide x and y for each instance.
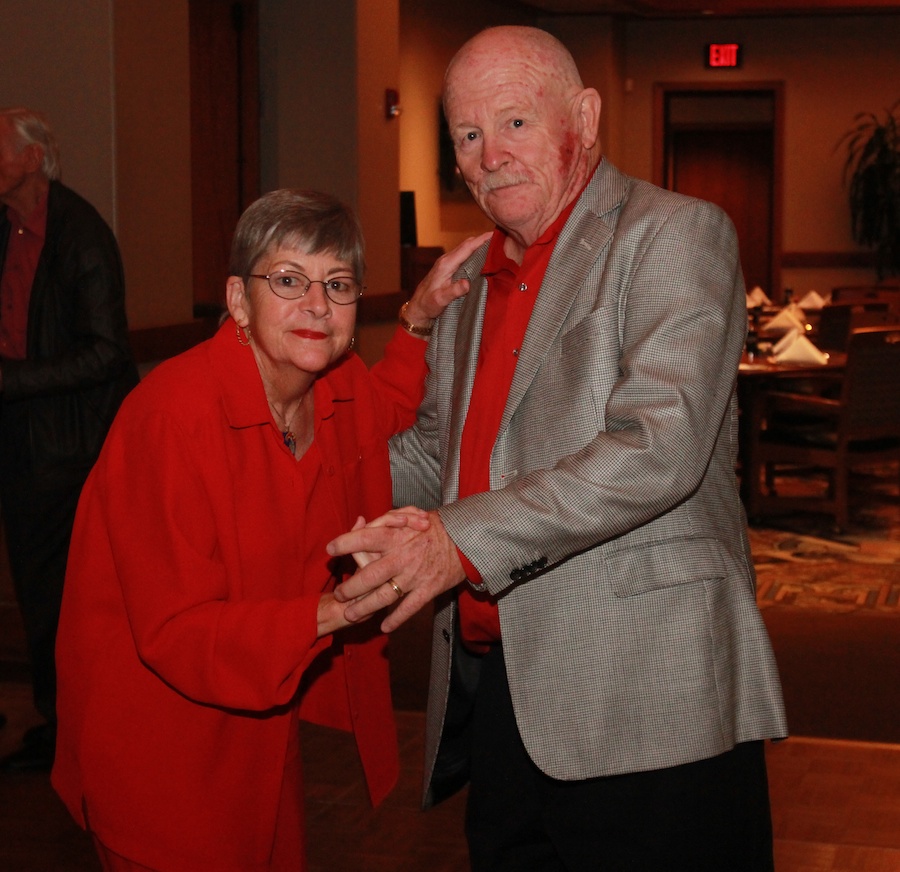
(437, 290)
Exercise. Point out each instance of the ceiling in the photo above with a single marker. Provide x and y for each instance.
(707, 8)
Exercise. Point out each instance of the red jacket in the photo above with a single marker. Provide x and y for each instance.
(185, 626)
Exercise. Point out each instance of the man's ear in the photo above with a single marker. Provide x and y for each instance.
(34, 157)
(589, 103)
(237, 300)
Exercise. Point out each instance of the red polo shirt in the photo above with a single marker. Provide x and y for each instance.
(512, 291)
(26, 241)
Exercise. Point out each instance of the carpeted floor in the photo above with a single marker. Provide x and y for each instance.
(831, 603)
(801, 562)
(837, 575)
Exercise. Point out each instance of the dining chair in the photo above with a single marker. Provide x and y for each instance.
(806, 434)
(887, 293)
(837, 321)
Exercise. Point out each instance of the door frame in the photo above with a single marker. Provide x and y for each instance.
(662, 91)
(225, 136)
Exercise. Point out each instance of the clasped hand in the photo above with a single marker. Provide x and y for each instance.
(406, 546)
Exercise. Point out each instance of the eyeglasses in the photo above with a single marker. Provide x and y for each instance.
(291, 285)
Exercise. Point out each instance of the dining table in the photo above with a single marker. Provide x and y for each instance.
(757, 375)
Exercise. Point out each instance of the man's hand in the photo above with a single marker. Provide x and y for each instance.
(415, 518)
(331, 615)
(420, 564)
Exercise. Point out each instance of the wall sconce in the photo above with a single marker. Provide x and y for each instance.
(391, 103)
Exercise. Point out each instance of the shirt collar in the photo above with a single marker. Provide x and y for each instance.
(496, 257)
(242, 388)
(35, 223)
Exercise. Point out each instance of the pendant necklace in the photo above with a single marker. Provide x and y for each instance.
(287, 432)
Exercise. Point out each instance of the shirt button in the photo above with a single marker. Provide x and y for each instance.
(523, 287)
(515, 352)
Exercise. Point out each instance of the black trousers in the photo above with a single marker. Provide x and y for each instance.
(709, 816)
(38, 518)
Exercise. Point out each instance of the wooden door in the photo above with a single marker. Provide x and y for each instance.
(732, 168)
(224, 136)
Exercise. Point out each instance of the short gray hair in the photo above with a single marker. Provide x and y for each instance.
(309, 220)
(32, 128)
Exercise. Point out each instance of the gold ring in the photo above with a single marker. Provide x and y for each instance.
(397, 590)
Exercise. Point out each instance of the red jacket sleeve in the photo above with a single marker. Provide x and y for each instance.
(399, 380)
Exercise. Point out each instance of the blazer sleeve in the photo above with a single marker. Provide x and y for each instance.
(672, 338)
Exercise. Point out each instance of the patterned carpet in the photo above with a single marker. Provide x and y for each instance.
(801, 562)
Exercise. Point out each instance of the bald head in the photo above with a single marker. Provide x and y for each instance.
(529, 48)
(525, 129)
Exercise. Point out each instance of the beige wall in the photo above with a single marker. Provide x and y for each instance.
(325, 68)
(113, 80)
(57, 58)
(430, 35)
(377, 159)
(117, 93)
(832, 68)
(153, 167)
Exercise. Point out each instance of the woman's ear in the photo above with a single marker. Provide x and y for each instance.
(237, 300)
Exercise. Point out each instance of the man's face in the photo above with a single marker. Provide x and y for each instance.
(13, 160)
(517, 142)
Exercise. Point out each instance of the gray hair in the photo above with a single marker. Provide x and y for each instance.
(32, 129)
(308, 220)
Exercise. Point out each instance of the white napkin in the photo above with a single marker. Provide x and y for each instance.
(812, 300)
(783, 343)
(800, 350)
(785, 320)
(757, 297)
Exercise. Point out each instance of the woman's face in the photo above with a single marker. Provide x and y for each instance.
(307, 334)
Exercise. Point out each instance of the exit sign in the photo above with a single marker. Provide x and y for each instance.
(723, 54)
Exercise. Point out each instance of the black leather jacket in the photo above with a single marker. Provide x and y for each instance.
(57, 404)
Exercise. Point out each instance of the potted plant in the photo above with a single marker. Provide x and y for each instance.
(872, 175)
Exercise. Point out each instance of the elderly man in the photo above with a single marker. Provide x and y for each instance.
(65, 366)
(600, 674)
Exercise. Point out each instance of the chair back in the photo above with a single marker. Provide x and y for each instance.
(839, 320)
(866, 293)
(871, 389)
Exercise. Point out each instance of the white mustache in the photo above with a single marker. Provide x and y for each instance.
(491, 183)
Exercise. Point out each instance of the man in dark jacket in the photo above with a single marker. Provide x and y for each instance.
(65, 366)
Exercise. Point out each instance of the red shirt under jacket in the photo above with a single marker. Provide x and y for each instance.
(23, 251)
(188, 626)
(512, 292)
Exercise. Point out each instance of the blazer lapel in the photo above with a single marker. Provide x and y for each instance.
(581, 243)
(466, 342)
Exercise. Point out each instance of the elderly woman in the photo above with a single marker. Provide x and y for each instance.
(198, 622)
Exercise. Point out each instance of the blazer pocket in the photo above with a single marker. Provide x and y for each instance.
(594, 339)
(665, 564)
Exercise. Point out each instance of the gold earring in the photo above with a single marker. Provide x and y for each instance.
(352, 343)
(237, 330)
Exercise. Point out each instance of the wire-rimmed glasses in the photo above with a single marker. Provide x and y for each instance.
(291, 285)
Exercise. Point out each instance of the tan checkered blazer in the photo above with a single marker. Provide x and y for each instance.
(613, 533)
